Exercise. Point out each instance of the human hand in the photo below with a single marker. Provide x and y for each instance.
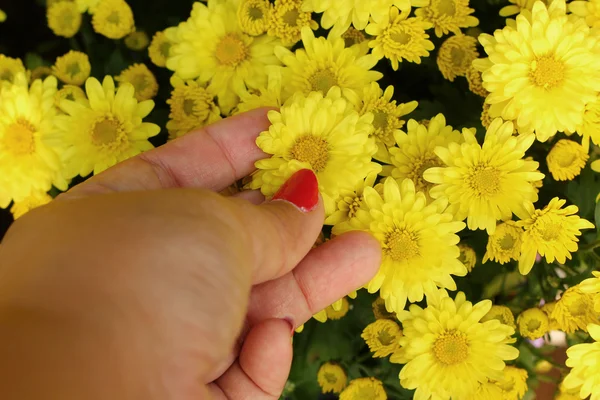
(143, 283)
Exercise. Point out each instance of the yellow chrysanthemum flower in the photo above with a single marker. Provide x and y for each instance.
(387, 115)
(113, 19)
(543, 367)
(364, 388)
(552, 232)
(332, 378)
(504, 244)
(253, 16)
(325, 63)
(10, 68)
(355, 12)
(380, 311)
(269, 96)
(542, 72)
(382, 337)
(355, 38)
(489, 182)
(286, 20)
(446, 340)
(334, 314)
(41, 72)
(446, 15)
(566, 160)
(589, 10)
(137, 40)
(142, 79)
(517, 6)
(502, 314)
(548, 308)
(73, 68)
(456, 55)
(211, 46)
(28, 164)
(159, 49)
(584, 359)
(488, 391)
(513, 383)
(414, 152)
(105, 130)
(476, 83)
(533, 323)
(467, 256)
(324, 134)
(69, 92)
(575, 310)
(35, 200)
(592, 286)
(350, 200)
(418, 239)
(399, 37)
(64, 18)
(192, 106)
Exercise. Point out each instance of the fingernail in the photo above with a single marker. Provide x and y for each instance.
(291, 324)
(302, 190)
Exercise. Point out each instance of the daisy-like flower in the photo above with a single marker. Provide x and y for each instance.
(142, 79)
(192, 106)
(551, 232)
(542, 72)
(332, 378)
(414, 152)
(159, 49)
(10, 68)
(253, 16)
(446, 340)
(517, 6)
(475, 83)
(350, 200)
(418, 239)
(566, 160)
(382, 337)
(335, 314)
(380, 311)
(574, 310)
(211, 46)
(105, 130)
(533, 323)
(502, 314)
(64, 18)
(324, 63)
(589, 10)
(324, 134)
(513, 383)
(584, 361)
(269, 96)
(364, 388)
(592, 286)
(489, 182)
(113, 19)
(69, 92)
(456, 55)
(548, 308)
(35, 200)
(286, 20)
(355, 12)
(28, 165)
(467, 256)
(41, 72)
(353, 37)
(399, 37)
(504, 244)
(137, 40)
(73, 68)
(387, 115)
(446, 15)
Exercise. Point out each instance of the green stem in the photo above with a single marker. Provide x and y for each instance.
(590, 246)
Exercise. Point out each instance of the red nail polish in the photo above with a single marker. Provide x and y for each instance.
(302, 190)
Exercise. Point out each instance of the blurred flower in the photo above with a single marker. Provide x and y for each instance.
(592, 286)
(143, 81)
(40, 73)
(566, 159)
(382, 337)
(446, 15)
(364, 388)
(9, 68)
(532, 323)
(332, 378)
(584, 359)
(589, 10)
(137, 40)
(504, 244)
(64, 18)
(73, 68)
(380, 311)
(113, 19)
(513, 383)
(502, 314)
(574, 310)
(159, 49)
(467, 256)
(69, 92)
(265, 96)
(334, 314)
(456, 55)
(548, 308)
(2, 16)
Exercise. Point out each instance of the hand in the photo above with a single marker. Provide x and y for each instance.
(144, 283)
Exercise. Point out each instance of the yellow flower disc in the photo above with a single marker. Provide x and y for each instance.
(566, 160)
(532, 323)
(73, 68)
(64, 18)
(253, 16)
(332, 378)
(137, 40)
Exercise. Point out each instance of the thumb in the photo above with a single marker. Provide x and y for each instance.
(283, 230)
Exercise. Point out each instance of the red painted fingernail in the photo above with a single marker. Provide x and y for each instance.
(302, 190)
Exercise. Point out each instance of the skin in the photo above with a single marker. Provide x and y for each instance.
(144, 283)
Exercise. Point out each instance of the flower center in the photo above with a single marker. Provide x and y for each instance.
(457, 55)
(164, 49)
(18, 138)
(507, 242)
(323, 80)
(566, 159)
(402, 245)
(353, 206)
(485, 180)
(400, 37)
(578, 307)
(188, 107)
(139, 82)
(551, 231)
(547, 72)
(255, 13)
(291, 17)
(114, 18)
(7, 75)
(231, 50)
(312, 150)
(107, 132)
(330, 378)
(385, 338)
(380, 119)
(451, 347)
(446, 7)
(506, 385)
(73, 69)
(533, 325)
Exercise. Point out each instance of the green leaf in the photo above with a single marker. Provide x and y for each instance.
(33, 60)
(597, 216)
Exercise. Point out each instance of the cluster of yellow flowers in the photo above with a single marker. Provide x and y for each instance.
(419, 187)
